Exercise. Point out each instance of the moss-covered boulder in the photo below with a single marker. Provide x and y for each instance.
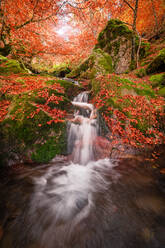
(99, 62)
(8, 66)
(61, 70)
(129, 108)
(157, 64)
(116, 40)
(158, 80)
(144, 49)
(28, 133)
(32, 118)
(161, 92)
(140, 72)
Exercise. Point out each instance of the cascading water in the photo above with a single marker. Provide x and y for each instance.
(82, 132)
(65, 195)
(84, 202)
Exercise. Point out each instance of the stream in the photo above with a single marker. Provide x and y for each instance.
(82, 200)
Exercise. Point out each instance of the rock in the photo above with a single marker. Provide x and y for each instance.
(140, 72)
(61, 71)
(98, 62)
(102, 147)
(116, 40)
(157, 64)
(161, 92)
(158, 80)
(8, 66)
(28, 132)
(112, 53)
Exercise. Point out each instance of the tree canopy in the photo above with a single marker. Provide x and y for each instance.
(30, 28)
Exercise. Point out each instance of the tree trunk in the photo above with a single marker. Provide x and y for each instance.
(155, 16)
(133, 57)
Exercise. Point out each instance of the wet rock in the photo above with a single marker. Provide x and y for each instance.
(102, 147)
(151, 203)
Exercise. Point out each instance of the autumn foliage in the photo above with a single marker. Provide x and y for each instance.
(14, 85)
(134, 118)
(29, 28)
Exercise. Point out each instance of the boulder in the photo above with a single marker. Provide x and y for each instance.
(116, 40)
(28, 132)
(98, 62)
(9, 66)
(157, 64)
(61, 71)
(158, 80)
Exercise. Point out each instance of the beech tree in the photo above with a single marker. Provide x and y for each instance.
(27, 26)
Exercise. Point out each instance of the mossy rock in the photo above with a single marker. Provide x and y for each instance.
(79, 69)
(140, 72)
(126, 88)
(161, 92)
(144, 49)
(158, 80)
(8, 66)
(71, 89)
(52, 147)
(157, 64)
(98, 62)
(28, 134)
(116, 40)
(113, 29)
(61, 71)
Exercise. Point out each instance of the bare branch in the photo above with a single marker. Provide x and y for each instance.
(31, 20)
(125, 1)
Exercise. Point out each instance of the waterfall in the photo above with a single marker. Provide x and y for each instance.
(82, 130)
(68, 192)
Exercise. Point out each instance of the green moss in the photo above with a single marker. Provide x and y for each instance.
(158, 63)
(116, 46)
(3, 59)
(144, 49)
(140, 72)
(98, 62)
(10, 66)
(105, 61)
(81, 68)
(132, 65)
(113, 29)
(158, 80)
(145, 63)
(161, 92)
(26, 135)
(61, 71)
(53, 146)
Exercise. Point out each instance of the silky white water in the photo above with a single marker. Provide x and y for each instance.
(65, 194)
(82, 130)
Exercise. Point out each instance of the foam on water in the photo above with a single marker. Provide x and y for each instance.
(69, 189)
(65, 194)
(82, 131)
